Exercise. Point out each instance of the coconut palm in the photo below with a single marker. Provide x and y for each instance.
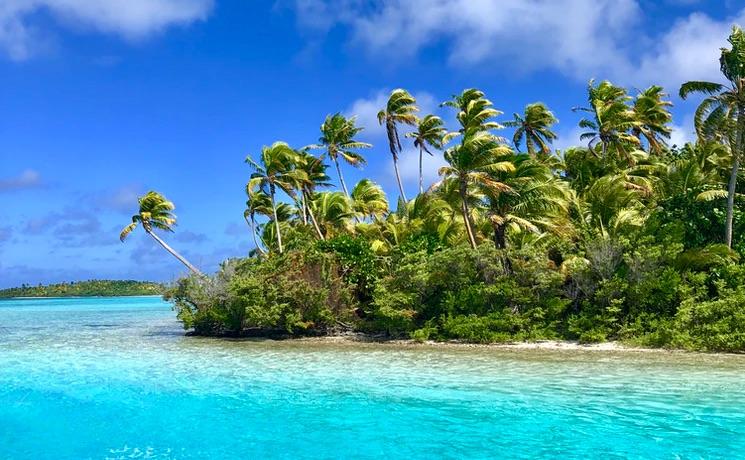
(470, 164)
(338, 140)
(535, 202)
(534, 127)
(272, 171)
(475, 113)
(611, 121)
(333, 211)
(156, 212)
(400, 109)
(721, 115)
(314, 170)
(429, 133)
(369, 200)
(652, 118)
(258, 203)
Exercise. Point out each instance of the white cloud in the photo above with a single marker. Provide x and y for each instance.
(579, 38)
(408, 166)
(20, 36)
(683, 133)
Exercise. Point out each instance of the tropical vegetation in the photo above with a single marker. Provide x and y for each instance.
(623, 237)
(90, 288)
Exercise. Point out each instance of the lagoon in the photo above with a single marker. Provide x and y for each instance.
(116, 378)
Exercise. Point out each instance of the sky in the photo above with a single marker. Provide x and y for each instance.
(103, 100)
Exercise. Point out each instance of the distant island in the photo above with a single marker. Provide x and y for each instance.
(90, 288)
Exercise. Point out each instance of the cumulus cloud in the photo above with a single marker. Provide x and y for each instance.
(27, 179)
(20, 27)
(578, 38)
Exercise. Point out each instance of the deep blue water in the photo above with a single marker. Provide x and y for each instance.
(116, 378)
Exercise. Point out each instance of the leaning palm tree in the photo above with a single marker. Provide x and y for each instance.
(430, 131)
(535, 128)
(333, 211)
(156, 212)
(314, 176)
(470, 164)
(369, 200)
(338, 140)
(610, 122)
(258, 203)
(270, 172)
(721, 116)
(400, 108)
(652, 118)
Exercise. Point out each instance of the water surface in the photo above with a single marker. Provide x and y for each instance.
(116, 378)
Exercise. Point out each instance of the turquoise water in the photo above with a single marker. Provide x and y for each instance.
(116, 378)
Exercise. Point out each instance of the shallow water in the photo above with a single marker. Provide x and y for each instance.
(116, 378)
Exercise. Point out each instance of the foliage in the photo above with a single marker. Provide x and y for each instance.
(90, 288)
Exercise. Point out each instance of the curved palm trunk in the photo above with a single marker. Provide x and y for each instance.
(529, 143)
(252, 223)
(732, 187)
(341, 177)
(276, 222)
(398, 178)
(314, 221)
(303, 209)
(421, 175)
(466, 214)
(174, 253)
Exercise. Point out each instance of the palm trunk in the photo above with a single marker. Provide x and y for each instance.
(174, 253)
(500, 236)
(732, 188)
(276, 222)
(421, 175)
(466, 214)
(303, 210)
(314, 221)
(398, 178)
(252, 224)
(341, 178)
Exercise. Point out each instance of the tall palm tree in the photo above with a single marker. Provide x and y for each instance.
(272, 172)
(471, 163)
(475, 113)
(400, 108)
(314, 170)
(535, 128)
(156, 212)
(611, 121)
(721, 115)
(369, 200)
(652, 118)
(258, 202)
(429, 133)
(338, 140)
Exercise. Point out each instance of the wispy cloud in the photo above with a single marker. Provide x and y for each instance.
(22, 33)
(578, 38)
(26, 180)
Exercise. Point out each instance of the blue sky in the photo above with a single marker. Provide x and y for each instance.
(103, 100)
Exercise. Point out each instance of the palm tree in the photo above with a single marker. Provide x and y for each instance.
(338, 139)
(314, 170)
(652, 117)
(430, 131)
(535, 202)
(333, 210)
(156, 212)
(471, 163)
(400, 108)
(535, 128)
(611, 121)
(474, 113)
(369, 200)
(721, 115)
(258, 202)
(272, 171)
